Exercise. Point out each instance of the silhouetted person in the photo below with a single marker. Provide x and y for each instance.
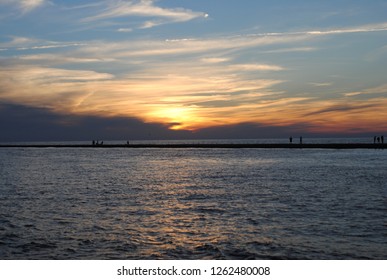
(101, 143)
(93, 142)
(290, 139)
(301, 140)
(378, 140)
(127, 143)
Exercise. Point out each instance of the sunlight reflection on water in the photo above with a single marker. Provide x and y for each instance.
(192, 204)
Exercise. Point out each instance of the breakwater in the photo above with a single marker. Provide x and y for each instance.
(207, 146)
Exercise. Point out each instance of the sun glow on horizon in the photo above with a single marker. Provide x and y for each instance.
(131, 63)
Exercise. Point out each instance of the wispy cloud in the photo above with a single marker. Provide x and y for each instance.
(230, 43)
(188, 82)
(125, 29)
(186, 96)
(375, 27)
(17, 42)
(346, 115)
(26, 43)
(215, 59)
(24, 6)
(296, 49)
(357, 29)
(321, 84)
(256, 67)
(375, 90)
(146, 9)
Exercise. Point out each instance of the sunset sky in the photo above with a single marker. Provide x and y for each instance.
(316, 67)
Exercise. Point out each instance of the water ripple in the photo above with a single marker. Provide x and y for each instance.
(192, 204)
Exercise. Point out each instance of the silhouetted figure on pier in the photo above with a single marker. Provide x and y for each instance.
(378, 140)
(93, 142)
(290, 139)
(301, 140)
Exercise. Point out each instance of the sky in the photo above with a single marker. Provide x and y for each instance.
(120, 69)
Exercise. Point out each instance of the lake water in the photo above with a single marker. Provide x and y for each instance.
(192, 204)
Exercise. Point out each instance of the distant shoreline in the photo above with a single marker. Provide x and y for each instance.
(207, 146)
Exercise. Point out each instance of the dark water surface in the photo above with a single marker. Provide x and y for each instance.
(193, 204)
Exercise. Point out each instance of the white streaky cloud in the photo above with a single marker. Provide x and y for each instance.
(52, 46)
(24, 6)
(148, 48)
(83, 6)
(150, 24)
(214, 60)
(127, 30)
(41, 75)
(357, 29)
(29, 5)
(143, 48)
(256, 67)
(287, 50)
(151, 48)
(145, 8)
(25, 43)
(375, 90)
(376, 27)
(17, 42)
(321, 84)
(53, 59)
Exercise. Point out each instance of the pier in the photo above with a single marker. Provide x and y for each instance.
(207, 146)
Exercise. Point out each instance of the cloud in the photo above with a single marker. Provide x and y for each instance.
(202, 84)
(25, 44)
(208, 46)
(18, 42)
(287, 50)
(189, 99)
(341, 108)
(125, 29)
(42, 75)
(60, 58)
(215, 59)
(146, 9)
(189, 46)
(24, 6)
(375, 27)
(321, 84)
(186, 83)
(61, 89)
(346, 115)
(173, 47)
(357, 29)
(256, 67)
(26, 123)
(181, 96)
(375, 90)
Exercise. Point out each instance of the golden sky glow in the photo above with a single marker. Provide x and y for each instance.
(327, 79)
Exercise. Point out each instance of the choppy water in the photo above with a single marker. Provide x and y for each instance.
(193, 204)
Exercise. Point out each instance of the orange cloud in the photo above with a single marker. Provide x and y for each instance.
(188, 100)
